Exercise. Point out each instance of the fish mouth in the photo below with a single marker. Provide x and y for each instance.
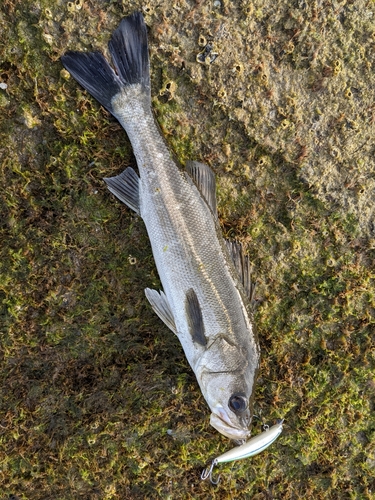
(221, 422)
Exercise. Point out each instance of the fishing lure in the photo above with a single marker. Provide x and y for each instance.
(252, 447)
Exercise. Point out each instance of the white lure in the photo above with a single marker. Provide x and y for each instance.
(252, 447)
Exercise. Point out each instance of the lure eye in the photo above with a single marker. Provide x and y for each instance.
(237, 403)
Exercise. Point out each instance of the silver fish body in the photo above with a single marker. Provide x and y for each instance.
(204, 300)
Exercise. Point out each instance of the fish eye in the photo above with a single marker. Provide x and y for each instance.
(237, 403)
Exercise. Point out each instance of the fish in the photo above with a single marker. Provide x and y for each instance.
(207, 293)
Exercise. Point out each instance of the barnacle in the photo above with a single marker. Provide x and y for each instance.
(337, 67)
(289, 48)
(262, 161)
(76, 5)
(222, 93)
(248, 9)
(238, 68)
(168, 89)
(202, 42)
(148, 9)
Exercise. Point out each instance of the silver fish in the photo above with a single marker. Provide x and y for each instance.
(206, 280)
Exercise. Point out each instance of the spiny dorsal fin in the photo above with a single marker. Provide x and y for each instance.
(242, 264)
(204, 179)
(195, 318)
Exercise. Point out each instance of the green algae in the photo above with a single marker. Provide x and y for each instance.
(91, 380)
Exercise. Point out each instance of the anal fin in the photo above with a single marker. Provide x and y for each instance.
(126, 187)
(160, 305)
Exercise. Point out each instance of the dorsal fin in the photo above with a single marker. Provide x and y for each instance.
(242, 264)
(204, 179)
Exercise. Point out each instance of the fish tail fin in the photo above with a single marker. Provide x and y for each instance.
(129, 51)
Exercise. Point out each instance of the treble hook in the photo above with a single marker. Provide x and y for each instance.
(207, 473)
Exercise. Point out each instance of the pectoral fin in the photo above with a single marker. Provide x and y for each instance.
(242, 264)
(126, 187)
(160, 305)
(195, 318)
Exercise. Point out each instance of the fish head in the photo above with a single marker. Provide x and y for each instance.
(230, 399)
(227, 377)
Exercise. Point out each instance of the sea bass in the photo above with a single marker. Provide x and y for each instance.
(206, 282)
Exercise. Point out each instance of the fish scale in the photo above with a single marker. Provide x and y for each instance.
(204, 300)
